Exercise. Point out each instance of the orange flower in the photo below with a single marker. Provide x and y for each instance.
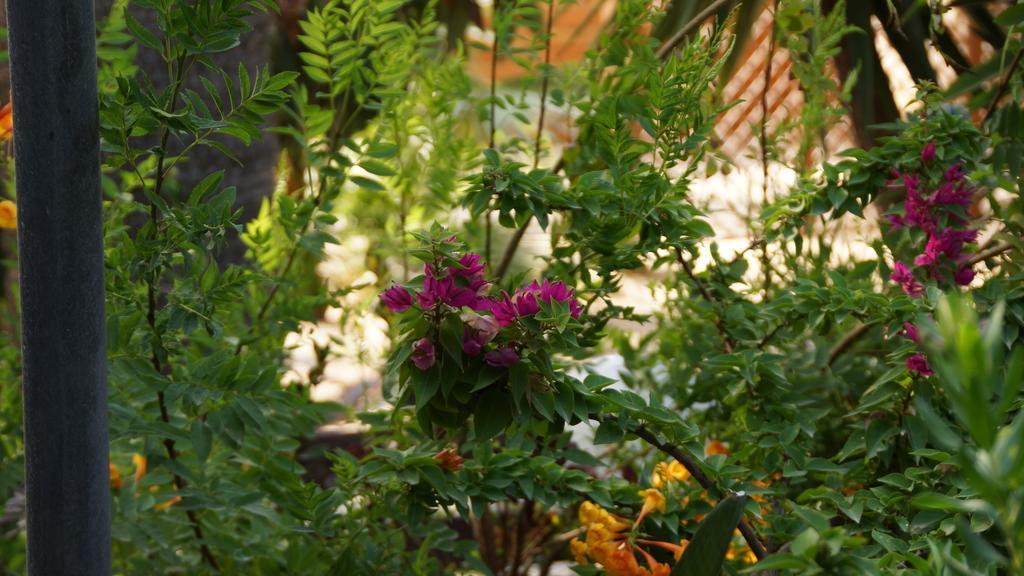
(115, 477)
(676, 549)
(6, 122)
(654, 501)
(168, 504)
(665, 472)
(716, 447)
(8, 214)
(449, 460)
(140, 466)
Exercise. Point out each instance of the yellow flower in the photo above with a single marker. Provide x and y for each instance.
(8, 214)
(579, 551)
(168, 504)
(140, 466)
(654, 501)
(668, 472)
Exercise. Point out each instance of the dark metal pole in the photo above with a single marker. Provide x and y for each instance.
(60, 242)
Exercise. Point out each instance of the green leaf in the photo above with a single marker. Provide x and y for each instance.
(202, 439)
(493, 413)
(706, 552)
(1012, 16)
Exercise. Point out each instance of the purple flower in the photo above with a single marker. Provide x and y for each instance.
(444, 290)
(919, 364)
(928, 153)
(902, 275)
(485, 327)
(964, 276)
(423, 354)
(910, 331)
(502, 357)
(396, 298)
(955, 173)
(471, 346)
(896, 221)
(471, 266)
(502, 309)
(479, 331)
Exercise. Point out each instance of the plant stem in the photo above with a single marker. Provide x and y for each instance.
(168, 443)
(698, 474)
(663, 51)
(1002, 86)
(765, 262)
(490, 140)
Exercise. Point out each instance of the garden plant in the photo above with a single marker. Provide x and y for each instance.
(793, 406)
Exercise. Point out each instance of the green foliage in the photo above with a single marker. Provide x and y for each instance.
(788, 376)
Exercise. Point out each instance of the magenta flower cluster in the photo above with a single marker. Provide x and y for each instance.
(463, 289)
(939, 214)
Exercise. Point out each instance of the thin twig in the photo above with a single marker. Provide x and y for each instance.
(765, 263)
(662, 53)
(490, 141)
(728, 342)
(1002, 86)
(683, 32)
(517, 238)
(843, 345)
(698, 474)
(990, 252)
(151, 288)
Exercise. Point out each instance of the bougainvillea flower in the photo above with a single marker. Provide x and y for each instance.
(928, 153)
(396, 298)
(444, 290)
(470, 266)
(910, 331)
(665, 472)
(423, 354)
(6, 122)
(919, 363)
(448, 459)
(964, 276)
(902, 275)
(526, 301)
(8, 214)
(502, 357)
(955, 173)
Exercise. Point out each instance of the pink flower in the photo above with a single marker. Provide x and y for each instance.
(955, 173)
(396, 298)
(484, 326)
(928, 153)
(423, 354)
(910, 331)
(919, 364)
(444, 290)
(902, 275)
(479, 331)
(471, 266)
(502, 357)
(895, 220)
(502, 309)
(964, 276)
